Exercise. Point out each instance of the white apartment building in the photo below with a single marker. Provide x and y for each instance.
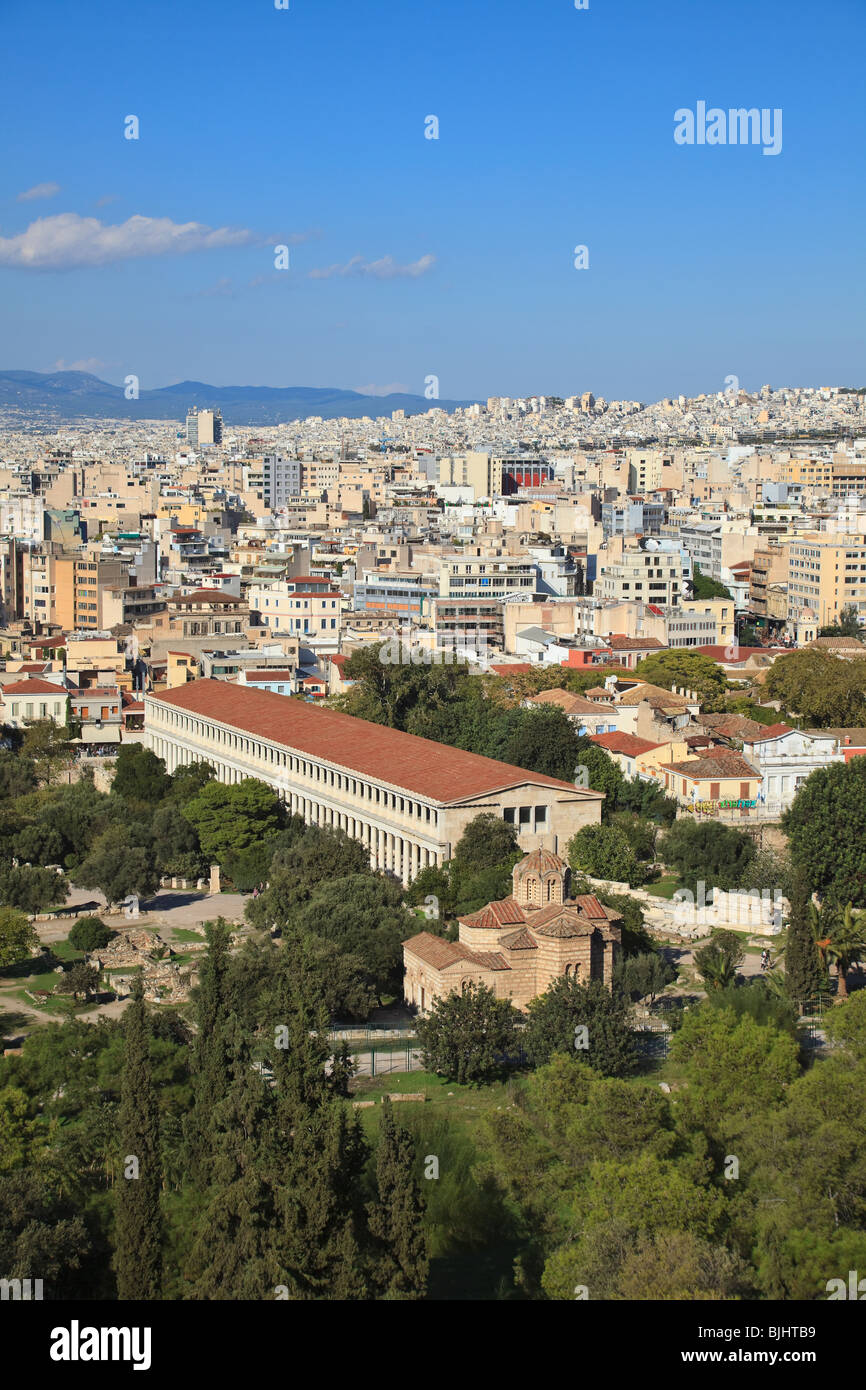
(302, 607)
(649, 575)
(474, 574)
(786, 757)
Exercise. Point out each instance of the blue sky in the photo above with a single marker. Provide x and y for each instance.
(451, 257)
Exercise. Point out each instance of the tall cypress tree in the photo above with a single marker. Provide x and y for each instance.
(211, 1061)
(396, 1220)
(138, 1217)
(804, 976)
(320, 1152)
(232, 1251)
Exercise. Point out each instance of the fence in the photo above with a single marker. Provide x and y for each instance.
(383, 1061)
(653, 1037)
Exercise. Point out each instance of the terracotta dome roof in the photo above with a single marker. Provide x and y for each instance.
(540, 861)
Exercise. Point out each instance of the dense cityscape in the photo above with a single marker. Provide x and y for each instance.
(432, 823)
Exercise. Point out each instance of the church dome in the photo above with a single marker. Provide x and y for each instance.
(540, 878)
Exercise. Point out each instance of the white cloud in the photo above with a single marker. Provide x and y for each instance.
(84, 364)
(384, 269)
(39, 190)
(67, 240)
(394, 388)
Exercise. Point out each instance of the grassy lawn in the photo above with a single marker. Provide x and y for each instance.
(665, 887)
(63, 951)
(181, 934)
(461, 1104)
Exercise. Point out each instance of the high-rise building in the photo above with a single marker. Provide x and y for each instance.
(828, 575)
(204, 427)
(281, 480)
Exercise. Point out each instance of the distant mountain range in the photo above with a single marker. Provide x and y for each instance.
(73, 395)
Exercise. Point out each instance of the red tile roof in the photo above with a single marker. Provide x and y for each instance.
(570, 703)
(635, 644)
(272, 675)
(401, 760)
(33, 687)
(770, 731)
(205, 596)
(731, 654)
(628, 744)
(719, 763)
(504, 913)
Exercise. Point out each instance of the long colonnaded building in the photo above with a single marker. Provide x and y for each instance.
(407, 799)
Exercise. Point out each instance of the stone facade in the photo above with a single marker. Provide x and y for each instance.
(520, 945)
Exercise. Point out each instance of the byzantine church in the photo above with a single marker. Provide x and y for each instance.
(520, 945)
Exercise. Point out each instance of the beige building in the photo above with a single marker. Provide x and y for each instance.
(481, 472)
(826, 574)
(407, 799)
(519, 946)
(476, 573)
(629, 573)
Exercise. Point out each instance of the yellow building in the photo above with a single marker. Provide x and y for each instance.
(826, 573)
(719, 782)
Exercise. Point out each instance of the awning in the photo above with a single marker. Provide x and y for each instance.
(109, 734)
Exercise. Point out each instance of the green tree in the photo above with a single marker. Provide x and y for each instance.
(320, 1227)
(18, 937)
(365, 916)
(542, 740)
(89, 934)
(138, 1216)
(644, 976)
(732, 1063)
(231, 1254)
(33, 890)
(188, 780)
(846, 1025)
(691, 670)
(175, 842)
(487, 842)
(17, 775)
(603, 851)
(847, 944)
(585, 1021)
(805, 977)
(79, 979)
(22, 1139)
(467, 1033)
(229, 819)
(139, 775)
(715, 967)
(119, 865)
(211, 1063)
(826, 830)
(820, 688)
(849, 625)
(39, 843)
(47, 746)
(705, 587)
(596, 769)
(396, 1218)
(680, 1266)
(706, 851)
